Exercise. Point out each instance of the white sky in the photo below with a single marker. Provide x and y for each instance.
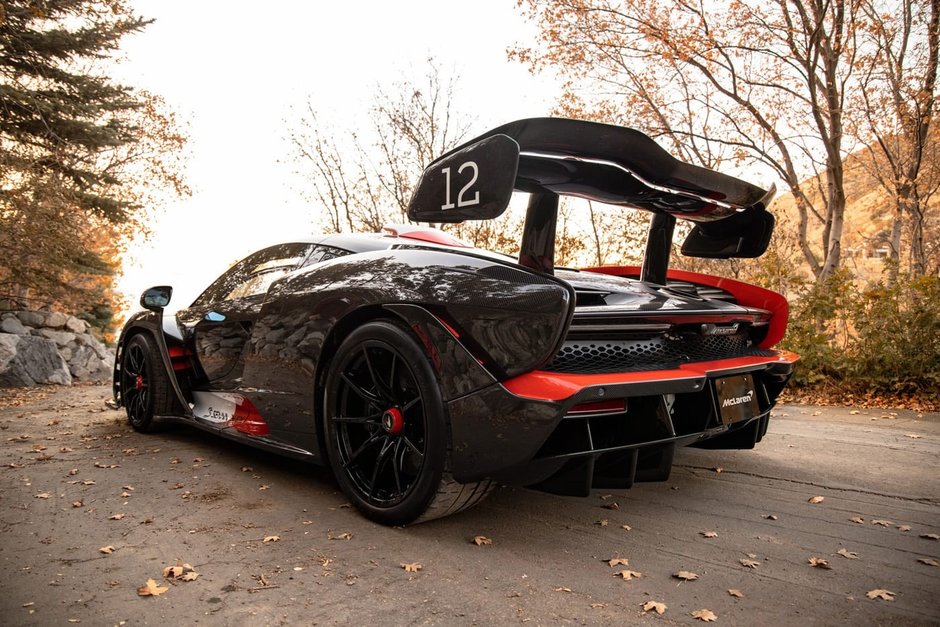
(234, 70)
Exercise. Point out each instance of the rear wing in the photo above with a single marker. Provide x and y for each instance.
(548, 157)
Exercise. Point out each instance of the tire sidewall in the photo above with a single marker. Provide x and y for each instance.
(435, 454)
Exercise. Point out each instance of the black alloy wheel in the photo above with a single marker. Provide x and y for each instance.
(143, 384)
(385, 424)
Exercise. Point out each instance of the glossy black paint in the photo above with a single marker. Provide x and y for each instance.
(658, 249)
(537, 250)
(480, 318)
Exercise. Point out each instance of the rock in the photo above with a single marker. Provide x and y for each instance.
(12, 324)
(75, 325)
(61, 338)
(56, 320)
(31, 318)
(28, 360)
(87, 366)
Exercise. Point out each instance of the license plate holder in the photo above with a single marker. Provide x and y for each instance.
(737, 398)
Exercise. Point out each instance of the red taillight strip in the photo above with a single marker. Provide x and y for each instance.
(556, 386)
(744, 293)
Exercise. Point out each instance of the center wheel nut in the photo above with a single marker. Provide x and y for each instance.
(393, 421)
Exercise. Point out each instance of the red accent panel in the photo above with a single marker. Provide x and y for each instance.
(248, 420)
(424, 234)
(556, 386)
(745, 293)
(600, 407)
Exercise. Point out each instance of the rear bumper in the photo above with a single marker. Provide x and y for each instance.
(523, 431)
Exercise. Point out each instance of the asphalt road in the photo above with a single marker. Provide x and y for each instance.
(75, 479)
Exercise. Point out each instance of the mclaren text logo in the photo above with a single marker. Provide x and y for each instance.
(737, 400)
(714, 329)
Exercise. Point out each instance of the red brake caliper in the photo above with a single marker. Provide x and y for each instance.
(393, 421)
(139, 382)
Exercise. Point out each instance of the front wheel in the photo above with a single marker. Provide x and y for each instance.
(386, 433)
(144, 387)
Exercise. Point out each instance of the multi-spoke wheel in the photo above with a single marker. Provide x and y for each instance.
(385, 428)
(143, 383)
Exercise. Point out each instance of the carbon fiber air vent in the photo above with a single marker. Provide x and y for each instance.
(600, 356)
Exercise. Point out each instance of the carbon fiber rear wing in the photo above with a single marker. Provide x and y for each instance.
(548, 157)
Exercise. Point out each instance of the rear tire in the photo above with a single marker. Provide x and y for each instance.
(144, 385)
(386, 430)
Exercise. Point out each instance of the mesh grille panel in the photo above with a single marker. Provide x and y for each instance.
(600, 356)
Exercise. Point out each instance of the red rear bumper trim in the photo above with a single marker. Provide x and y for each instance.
(557, 386)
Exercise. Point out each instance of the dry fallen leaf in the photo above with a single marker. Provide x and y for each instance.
(854, 412)
(852, 555)
(263, 487)
(107, 550)
(601, 523)
(562, 589)
(116, 517)
(747, 563)
(627, 575)
(882, 523)
(904, 527)
(412, 568)
(770, 516)
(912, 436)
(42, 495)
(858, 519)
(879, 593)
(151, 589)
(78, 503)
(816, 499)
(685, 575)
(343, 536)
(654, 606)
(930, 536)
(271, 539)
(709, 534)
(705, 615)
(617, 561)
(184, 572)
(818, 562)
(718, 469)
(611, 505)
(626, 527)
(928, 560)
(596, 606)
(736, 593)
(481, 540)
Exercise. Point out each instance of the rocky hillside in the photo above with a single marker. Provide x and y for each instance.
(49, 347)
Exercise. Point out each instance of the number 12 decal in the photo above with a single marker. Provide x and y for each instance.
(461, 201)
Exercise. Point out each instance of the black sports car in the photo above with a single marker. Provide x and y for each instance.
(424, 371)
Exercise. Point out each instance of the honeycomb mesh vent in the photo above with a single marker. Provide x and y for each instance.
(600, 356)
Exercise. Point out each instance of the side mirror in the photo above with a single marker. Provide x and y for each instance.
(156, 298)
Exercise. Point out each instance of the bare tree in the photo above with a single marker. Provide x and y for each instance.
(746, 82)
(897, 101)
(366, 181)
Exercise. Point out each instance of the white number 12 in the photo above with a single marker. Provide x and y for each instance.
(461, 201)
